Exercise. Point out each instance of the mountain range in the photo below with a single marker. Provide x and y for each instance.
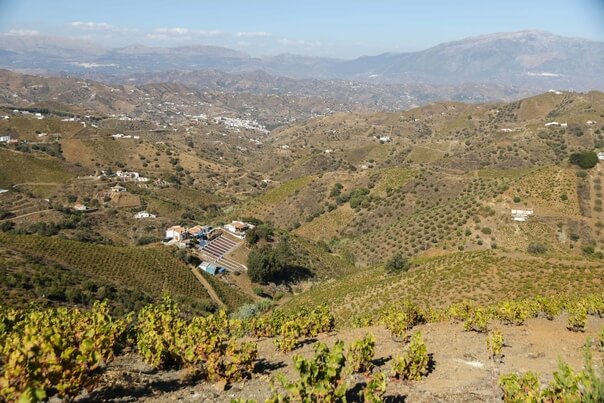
(531, 59)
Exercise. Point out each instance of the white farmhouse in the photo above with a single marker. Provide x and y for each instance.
(521, 215)
(144, 214)
(4, 139)
(176, 233)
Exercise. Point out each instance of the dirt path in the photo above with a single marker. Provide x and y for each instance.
(27, 215)
(208, 287)
(37, 183)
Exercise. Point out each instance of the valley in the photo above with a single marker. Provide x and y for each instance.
(261, 204)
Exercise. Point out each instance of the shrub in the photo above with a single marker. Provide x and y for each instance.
(519, 388)
(577, 317)
(55, 351)
(585, 160)
(146, 239)
(157, 331)
(289, 333)
(495, 344)
(566, 386)
(320, 376)
(535, 248)
(375, 389)
(477, 321)
(360, 354)
(400, 319)
(588, 249)
(413, 364)
(397, 263)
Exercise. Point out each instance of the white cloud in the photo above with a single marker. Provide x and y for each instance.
(172, 31)
(302, 43)
(99, 26)
(259, 34)
(21, 32)
(177, 33)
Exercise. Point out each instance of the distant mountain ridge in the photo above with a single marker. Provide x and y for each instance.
(500, 66)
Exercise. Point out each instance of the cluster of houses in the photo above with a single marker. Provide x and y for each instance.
(237, 124)
(131, 176)
(178, 233)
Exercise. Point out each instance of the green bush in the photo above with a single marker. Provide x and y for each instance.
(535, 248)
(585, 160)
(321, 377)
(360, 354)
(413, 364)
(397, 263)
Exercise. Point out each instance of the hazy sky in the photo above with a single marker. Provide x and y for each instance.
(324, 28)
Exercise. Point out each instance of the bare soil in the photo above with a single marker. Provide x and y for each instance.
(461, 370)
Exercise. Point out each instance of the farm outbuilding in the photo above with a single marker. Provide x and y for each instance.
(210, 268)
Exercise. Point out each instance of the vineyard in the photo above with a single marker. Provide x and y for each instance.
(75, 348)
(481, 277)
(153, 270)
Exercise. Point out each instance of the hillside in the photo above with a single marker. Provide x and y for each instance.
(153, 271)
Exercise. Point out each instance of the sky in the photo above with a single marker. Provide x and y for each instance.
(343, 29)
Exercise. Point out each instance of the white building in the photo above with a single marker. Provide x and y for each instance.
(601, 156)
(130, 176)
(521, 215)
(144, 214)
(176, 233)
(118, 188)
(552, 124)
(79, 207)
(4, 139)
(238, 228)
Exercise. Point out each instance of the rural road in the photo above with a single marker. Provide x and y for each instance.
(208, 287)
